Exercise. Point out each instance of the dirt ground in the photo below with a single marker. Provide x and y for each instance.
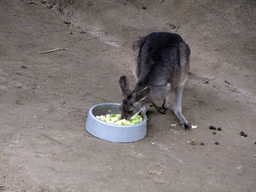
(45, 98)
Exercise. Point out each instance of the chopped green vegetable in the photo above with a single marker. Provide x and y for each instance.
(116, 119)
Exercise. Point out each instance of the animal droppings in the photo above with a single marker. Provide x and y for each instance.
(219, 129)
(242, 133)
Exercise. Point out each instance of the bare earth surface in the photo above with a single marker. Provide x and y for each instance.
(45, 98)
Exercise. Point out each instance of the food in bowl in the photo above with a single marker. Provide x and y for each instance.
(116, 119)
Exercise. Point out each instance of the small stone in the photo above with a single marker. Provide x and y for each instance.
(67, 22)
(193, 143)
(18, 85)
(18, 102)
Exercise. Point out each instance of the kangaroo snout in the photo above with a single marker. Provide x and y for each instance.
(133, 100)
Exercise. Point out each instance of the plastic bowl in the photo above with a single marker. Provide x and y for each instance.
(113, 132)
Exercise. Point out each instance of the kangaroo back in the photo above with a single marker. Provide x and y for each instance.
(160, 58)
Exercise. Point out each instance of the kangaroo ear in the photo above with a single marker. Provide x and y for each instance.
(140, 95)
(124, 85)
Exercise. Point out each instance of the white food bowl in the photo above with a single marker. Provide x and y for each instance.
(114, 132)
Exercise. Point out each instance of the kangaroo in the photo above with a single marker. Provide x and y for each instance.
(161, 64)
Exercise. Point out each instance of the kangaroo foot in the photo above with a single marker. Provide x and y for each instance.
(186, 126)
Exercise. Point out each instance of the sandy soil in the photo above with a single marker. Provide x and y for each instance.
(45, 98)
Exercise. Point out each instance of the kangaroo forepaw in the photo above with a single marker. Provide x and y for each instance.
(165, 106)
(161, 110)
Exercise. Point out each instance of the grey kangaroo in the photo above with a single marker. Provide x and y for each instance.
(161, 64)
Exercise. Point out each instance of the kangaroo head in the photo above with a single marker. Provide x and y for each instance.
(133, 100)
